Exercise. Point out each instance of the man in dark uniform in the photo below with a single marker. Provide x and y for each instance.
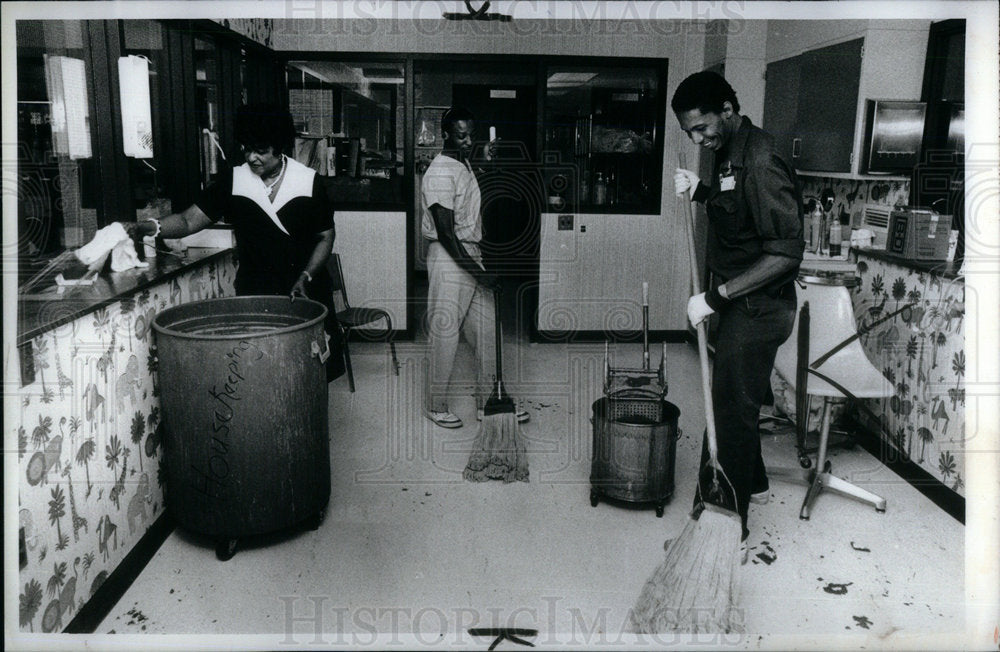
(754, 249)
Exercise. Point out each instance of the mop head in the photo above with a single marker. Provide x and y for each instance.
(692, 589)
(499, 452)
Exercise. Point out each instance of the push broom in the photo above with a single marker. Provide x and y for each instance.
(692, 589)
(499, 452)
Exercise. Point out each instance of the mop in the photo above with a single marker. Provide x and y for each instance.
(499, 452)
(692, 589)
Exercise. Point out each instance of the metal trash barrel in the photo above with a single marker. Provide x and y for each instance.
(633, 457)
(244, 398)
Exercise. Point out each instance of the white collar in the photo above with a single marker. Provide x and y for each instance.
(298, 182)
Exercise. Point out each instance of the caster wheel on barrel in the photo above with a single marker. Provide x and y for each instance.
(594, 498)
(225, 549)
(659, 511)
(805, 462)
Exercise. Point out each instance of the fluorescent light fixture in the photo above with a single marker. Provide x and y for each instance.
(570, 78)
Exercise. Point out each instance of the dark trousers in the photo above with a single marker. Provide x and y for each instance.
(751, 328)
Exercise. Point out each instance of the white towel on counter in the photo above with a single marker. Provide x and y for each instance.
(114, 240)
(123, 257)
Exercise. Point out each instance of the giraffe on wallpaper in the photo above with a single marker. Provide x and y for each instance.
(119, 486)
(107, 358)
(64, 380)
(78, 521)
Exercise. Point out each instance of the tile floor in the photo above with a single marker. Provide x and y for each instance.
(411, 551)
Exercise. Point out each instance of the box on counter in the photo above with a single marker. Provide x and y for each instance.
(918, 234)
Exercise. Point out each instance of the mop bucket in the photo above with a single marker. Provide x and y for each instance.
(635, 431)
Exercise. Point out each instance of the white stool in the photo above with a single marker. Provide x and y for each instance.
(831, 322)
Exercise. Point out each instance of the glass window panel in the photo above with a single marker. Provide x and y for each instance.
(604, 119)
(59, 184)
(206, 66)
(349, 118)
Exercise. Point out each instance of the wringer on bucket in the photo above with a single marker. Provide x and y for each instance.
(635, 430)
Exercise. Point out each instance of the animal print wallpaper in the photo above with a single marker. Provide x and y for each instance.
(89, 446)
(922, 352)
(851, 195)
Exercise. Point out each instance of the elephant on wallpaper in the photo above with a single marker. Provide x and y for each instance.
(128, 382)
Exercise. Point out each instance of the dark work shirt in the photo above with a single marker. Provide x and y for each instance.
(754, 206)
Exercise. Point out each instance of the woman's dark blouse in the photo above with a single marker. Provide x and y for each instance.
(270, 259)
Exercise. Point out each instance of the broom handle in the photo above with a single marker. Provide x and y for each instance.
(706, 383)
(645, 326)
(498, 333)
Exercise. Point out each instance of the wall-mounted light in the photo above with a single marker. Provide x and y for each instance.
(137, 119)
(66, 84)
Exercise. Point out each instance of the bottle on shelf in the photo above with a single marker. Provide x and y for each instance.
(816, 219)
(600, 190)
(834, 237)
(425, 138)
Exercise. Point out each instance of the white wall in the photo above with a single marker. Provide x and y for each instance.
(746, 52)
(787, 38)
(372, 248)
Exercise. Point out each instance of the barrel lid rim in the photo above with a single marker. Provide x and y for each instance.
(238, 336)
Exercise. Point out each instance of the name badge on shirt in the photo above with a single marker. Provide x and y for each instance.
(727, 183)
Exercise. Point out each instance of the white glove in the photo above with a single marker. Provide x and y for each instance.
(685, 181)
(698, 309)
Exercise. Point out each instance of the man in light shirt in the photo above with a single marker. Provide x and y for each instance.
(460, 294)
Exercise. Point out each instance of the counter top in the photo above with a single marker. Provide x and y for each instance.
(49, 308)
(937, 267)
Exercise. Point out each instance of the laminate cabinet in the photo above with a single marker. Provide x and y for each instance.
(810, 106)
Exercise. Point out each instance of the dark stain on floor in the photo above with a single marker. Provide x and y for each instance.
(768, 555)
(862, 621)
(837, 589)
(859, 549)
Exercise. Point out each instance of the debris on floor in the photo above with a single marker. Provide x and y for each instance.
(862, 621)
(837, 589)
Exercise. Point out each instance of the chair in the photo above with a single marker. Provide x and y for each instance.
(847, 367)
(355, 317)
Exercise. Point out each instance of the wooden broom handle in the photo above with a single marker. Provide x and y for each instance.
(706, 381)
(498, 335)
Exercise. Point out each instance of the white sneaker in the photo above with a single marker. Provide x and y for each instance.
(443, 419)
(522, 415)
(761, 498)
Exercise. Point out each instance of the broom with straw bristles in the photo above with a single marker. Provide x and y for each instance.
(499, 452)
(692, 589)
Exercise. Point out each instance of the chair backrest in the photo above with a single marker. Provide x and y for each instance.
(831, 322)
(338, 285)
